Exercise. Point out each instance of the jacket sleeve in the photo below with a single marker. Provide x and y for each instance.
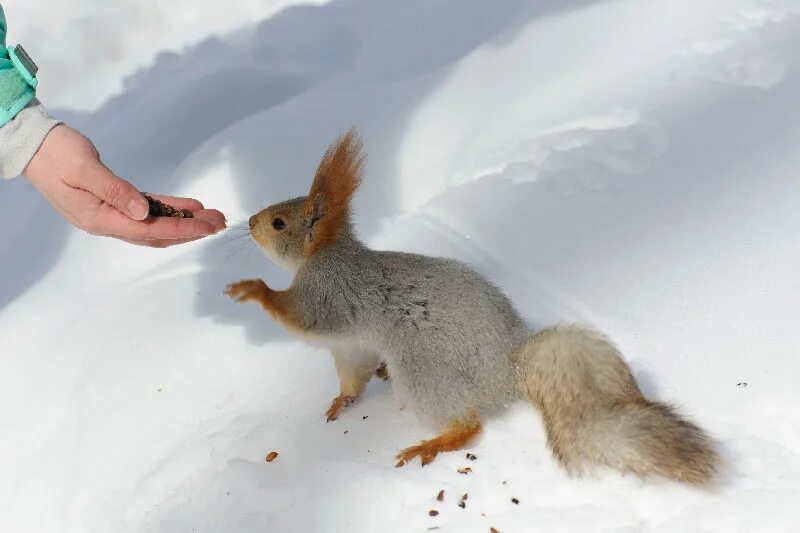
(2, 27)
(21, 137)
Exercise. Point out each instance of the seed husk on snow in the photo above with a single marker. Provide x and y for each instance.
(271, 456)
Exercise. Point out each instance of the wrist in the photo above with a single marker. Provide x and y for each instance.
(21, 138)
(47, 158)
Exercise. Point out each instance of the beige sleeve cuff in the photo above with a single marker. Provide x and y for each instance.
(21, 138)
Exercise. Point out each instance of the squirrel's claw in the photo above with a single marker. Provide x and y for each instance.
(455, 438)
(248, 289)
(338, 404)
(382, 371)
(427, 452)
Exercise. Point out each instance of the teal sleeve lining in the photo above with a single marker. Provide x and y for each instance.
(22, 99)
(12, 84)
(16, 90)
(2, 27)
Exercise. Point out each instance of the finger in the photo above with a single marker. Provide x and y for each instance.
(178, 202)
(157, 243)
(114, 191)
(154, 228)
(212, 216)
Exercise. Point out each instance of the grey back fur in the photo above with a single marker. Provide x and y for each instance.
(446, 333)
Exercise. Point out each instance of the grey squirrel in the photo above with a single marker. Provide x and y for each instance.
(455, 347)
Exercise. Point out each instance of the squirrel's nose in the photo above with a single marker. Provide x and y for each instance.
(252, 222)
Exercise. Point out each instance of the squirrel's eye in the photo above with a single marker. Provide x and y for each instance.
(278, 224)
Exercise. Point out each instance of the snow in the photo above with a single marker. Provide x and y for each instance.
(627, 164)
(85, 48)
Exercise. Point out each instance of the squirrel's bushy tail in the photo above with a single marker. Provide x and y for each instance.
(595, 414)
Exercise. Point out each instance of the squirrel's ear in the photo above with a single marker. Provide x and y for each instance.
(327, 208)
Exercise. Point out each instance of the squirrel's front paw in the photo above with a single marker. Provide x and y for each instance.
(246, 290)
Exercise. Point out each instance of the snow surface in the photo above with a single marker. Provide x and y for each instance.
(634, 165)
(86, 47)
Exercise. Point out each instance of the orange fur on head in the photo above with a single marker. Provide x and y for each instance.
(337, 178)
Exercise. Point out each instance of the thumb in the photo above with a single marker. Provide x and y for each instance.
(117, 192)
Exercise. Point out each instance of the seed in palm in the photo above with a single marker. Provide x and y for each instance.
(160, 209)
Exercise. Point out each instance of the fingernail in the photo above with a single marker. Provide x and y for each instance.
(138, 208)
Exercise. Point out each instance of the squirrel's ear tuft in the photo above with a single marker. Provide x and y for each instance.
(327, 208)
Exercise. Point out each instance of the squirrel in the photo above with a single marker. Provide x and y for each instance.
(455, 347)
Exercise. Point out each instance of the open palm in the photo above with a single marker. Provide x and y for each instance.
(67, 170)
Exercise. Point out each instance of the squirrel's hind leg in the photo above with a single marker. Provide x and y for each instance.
(383, 372)
(355, 368)
(458, 435)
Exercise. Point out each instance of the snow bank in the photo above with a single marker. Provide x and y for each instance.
(86, 47)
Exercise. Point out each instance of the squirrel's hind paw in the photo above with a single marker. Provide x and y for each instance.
(337, 405)
(426, 452)
(382, 372)
(459, 435)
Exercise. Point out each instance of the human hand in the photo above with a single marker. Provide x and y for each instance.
(67, 170)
